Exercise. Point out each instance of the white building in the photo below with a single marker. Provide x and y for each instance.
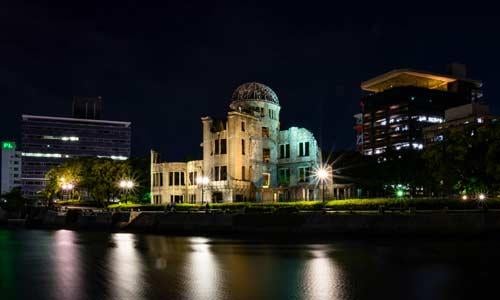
(11, 167)
(246, 157)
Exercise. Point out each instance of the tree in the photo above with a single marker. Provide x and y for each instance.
(70, 172)
(102, 177)
(468, 160)
(141, 175)
(96, 177)
(14, 201)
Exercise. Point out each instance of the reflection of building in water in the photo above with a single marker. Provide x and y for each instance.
(246, 156)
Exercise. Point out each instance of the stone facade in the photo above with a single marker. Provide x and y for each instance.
(246, 157)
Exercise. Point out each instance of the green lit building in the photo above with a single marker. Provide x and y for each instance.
(11, 167)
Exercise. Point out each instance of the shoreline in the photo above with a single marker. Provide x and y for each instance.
(258, 225)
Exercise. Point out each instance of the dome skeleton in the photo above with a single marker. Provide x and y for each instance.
(254, 91)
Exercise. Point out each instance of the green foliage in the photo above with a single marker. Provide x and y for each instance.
(14, 200)
(141, 175)
(96, 177)
(78, 203)
(467, 160)
(350, 204)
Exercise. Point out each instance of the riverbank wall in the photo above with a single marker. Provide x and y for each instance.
(321, 223)
(306, 224)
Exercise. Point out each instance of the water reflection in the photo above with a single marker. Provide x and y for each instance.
(7, 267)
(322, 277)
(82, 265)
(68, 271)
(126, 268)
(204, 279)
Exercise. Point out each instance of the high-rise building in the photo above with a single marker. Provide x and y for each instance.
(87, 107)
(49, 141)
(400, 103)
(464, 118)
(246, 157)
(11, 167)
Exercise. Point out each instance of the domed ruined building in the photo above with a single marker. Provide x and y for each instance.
(246, 157)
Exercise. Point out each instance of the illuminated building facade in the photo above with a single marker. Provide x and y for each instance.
(399, 104)
(465, 118)
(246, 157)
(48, 141)
(11, 167)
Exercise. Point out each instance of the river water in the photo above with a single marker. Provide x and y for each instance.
(73, 265)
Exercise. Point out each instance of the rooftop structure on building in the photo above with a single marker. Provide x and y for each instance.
(87, 107)
(398, 104)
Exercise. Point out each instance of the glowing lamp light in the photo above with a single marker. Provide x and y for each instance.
(482, 197)
(400, 193)
(464, 197)
(322, 173)
(203, 180)
(126, 184)
(67, 186)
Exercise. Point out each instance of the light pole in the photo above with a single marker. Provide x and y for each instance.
(126, 185)
(323, 173)
(68, 187)
(203, 180)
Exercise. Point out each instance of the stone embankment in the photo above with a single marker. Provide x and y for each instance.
(312, 223)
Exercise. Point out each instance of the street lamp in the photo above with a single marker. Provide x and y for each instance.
(126, 185)
(323, 173)
(66, 186)
(203, 181)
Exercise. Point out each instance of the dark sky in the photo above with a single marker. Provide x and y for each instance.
(163, 67)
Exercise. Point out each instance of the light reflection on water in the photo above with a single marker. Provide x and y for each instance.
(322, 277)
(81, 265)
(68, 272)
(204, 280)
(126, 268)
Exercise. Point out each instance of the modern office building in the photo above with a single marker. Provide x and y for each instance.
(465, 118)
(11, 167)
(400, 103)
(246, 157)
(49, 141)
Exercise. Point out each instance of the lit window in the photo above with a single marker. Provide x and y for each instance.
(266, 180)
(265, 132)
(266, 155)
(417, 146)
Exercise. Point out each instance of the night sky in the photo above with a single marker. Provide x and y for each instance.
(164, 67)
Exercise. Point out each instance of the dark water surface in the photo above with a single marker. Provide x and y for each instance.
(88, 265)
